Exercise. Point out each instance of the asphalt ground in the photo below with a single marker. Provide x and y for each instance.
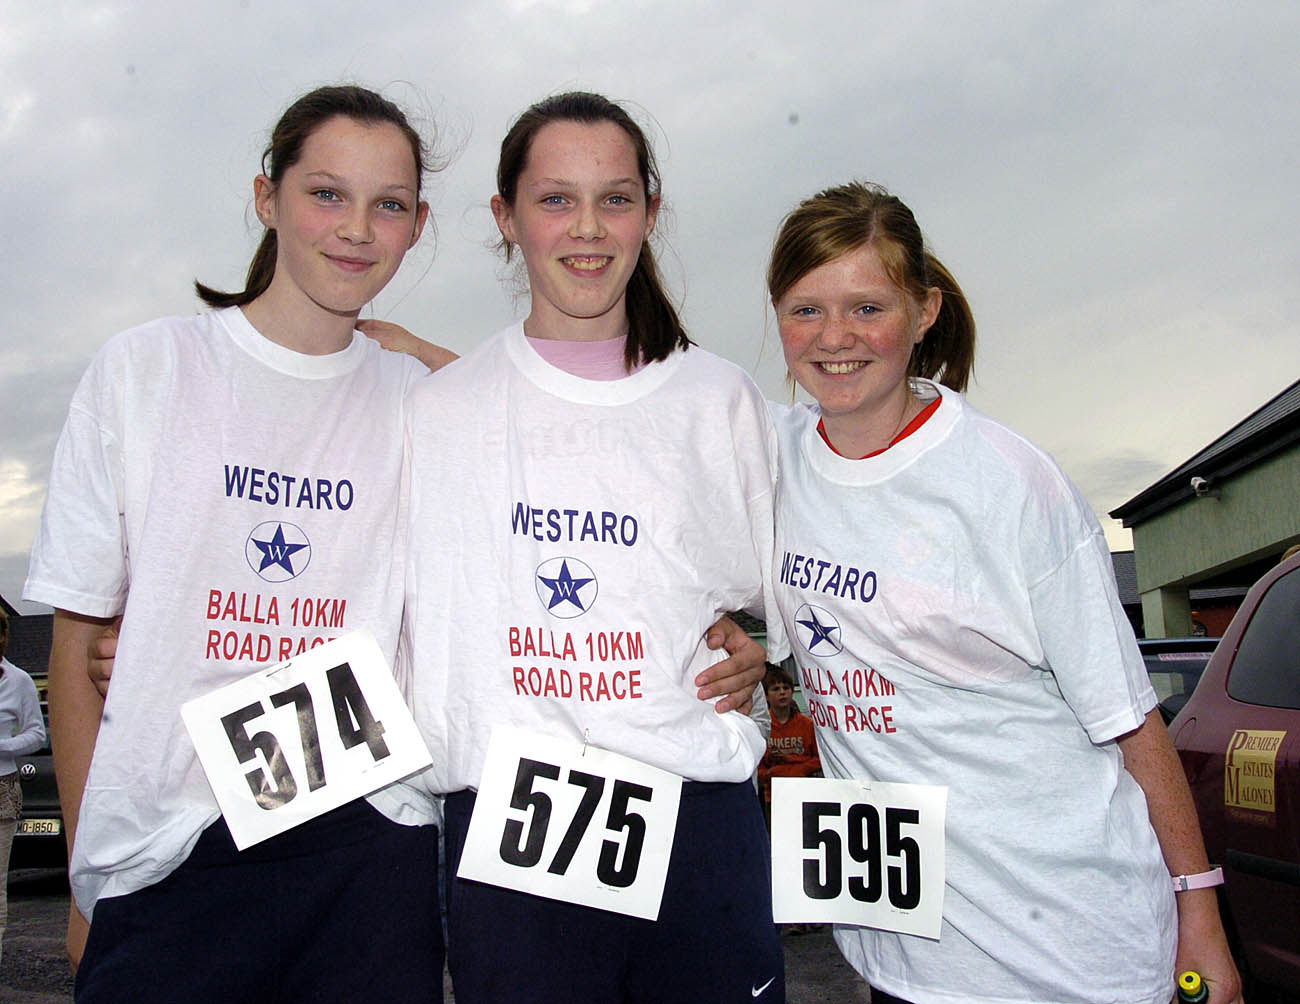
(34, 966)
(34, 969)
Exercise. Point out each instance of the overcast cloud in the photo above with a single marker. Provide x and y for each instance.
(1113, 184)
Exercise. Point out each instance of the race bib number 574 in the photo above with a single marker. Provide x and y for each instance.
(573, 823)
(857, 852)
(300, 738)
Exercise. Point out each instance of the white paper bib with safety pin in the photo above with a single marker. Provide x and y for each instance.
(295, 740)
(560, 819)
(869, 853)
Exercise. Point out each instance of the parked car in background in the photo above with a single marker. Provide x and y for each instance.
(1239, 741)
(38, 840)
(1174, 666)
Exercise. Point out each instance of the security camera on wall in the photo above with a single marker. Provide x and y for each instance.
(1203, 488)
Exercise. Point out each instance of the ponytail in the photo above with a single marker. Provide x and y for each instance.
(654, 329)
(947, 352)
(261, 270)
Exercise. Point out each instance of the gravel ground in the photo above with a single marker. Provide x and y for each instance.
(34, 968)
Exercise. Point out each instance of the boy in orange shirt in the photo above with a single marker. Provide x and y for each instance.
(792, 746)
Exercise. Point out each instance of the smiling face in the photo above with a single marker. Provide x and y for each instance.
(579, 217)
(345, 213)
(848, 331)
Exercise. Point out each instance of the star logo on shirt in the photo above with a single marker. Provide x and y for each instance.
(566, 587)
(277, 551)
(818, 630)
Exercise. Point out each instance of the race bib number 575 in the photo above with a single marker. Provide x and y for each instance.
(857, 852)
(300, 738)
(572, 822)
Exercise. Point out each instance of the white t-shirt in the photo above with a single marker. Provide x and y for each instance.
(238, 502)
(571, 542)
(954, 615)
(22, 730)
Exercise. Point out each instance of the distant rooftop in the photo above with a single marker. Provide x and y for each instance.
(1126, 576)
(1272, 428)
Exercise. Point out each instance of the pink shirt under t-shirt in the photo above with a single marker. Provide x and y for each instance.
(601, 360)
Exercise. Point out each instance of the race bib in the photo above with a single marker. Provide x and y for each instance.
(298, 739)
(868, 853)
(571, 822)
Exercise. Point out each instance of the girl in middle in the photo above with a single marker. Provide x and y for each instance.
(589, 491)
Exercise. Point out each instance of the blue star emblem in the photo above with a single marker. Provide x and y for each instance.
(821, 626)
(564, 588)
(277, 551)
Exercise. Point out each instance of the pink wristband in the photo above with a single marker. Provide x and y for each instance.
(1201, 880)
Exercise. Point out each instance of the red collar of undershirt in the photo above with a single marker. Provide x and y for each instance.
(911, 427)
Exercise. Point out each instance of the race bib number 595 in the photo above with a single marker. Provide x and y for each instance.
(857, 852)
(300, 738)
(572, 822)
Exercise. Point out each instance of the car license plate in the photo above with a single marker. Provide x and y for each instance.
(40, 827)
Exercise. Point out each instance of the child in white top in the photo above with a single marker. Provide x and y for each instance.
(941, 557)
(572, 538)
(219, 477)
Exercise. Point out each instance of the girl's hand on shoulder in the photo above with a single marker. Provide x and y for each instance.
(396, 338)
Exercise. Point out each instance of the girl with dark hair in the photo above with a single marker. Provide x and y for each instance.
(217, 476)
(588, 493)
(1005, 667)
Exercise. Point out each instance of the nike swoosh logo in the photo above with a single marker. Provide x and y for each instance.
(756, 991)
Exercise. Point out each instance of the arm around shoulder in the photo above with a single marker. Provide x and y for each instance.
(735, 677)
(396, 338)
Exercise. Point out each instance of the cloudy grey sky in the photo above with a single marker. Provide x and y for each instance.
(1114, 184)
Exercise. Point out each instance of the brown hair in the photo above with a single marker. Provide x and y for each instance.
(774, 675)
(654, 329)
(296, 125)
(841, 219)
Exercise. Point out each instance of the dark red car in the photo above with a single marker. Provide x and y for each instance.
(1239, 741)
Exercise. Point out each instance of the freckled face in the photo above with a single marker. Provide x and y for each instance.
(579, 218)
(344, 215)
(847, 332)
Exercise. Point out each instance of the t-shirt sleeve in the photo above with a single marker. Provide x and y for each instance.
(1088, 643)
(79, 557)
(762, 528)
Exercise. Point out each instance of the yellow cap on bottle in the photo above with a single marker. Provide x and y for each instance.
(1189, 986)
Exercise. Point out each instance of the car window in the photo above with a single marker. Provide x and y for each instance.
(1175, 673)
(1266, 669)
